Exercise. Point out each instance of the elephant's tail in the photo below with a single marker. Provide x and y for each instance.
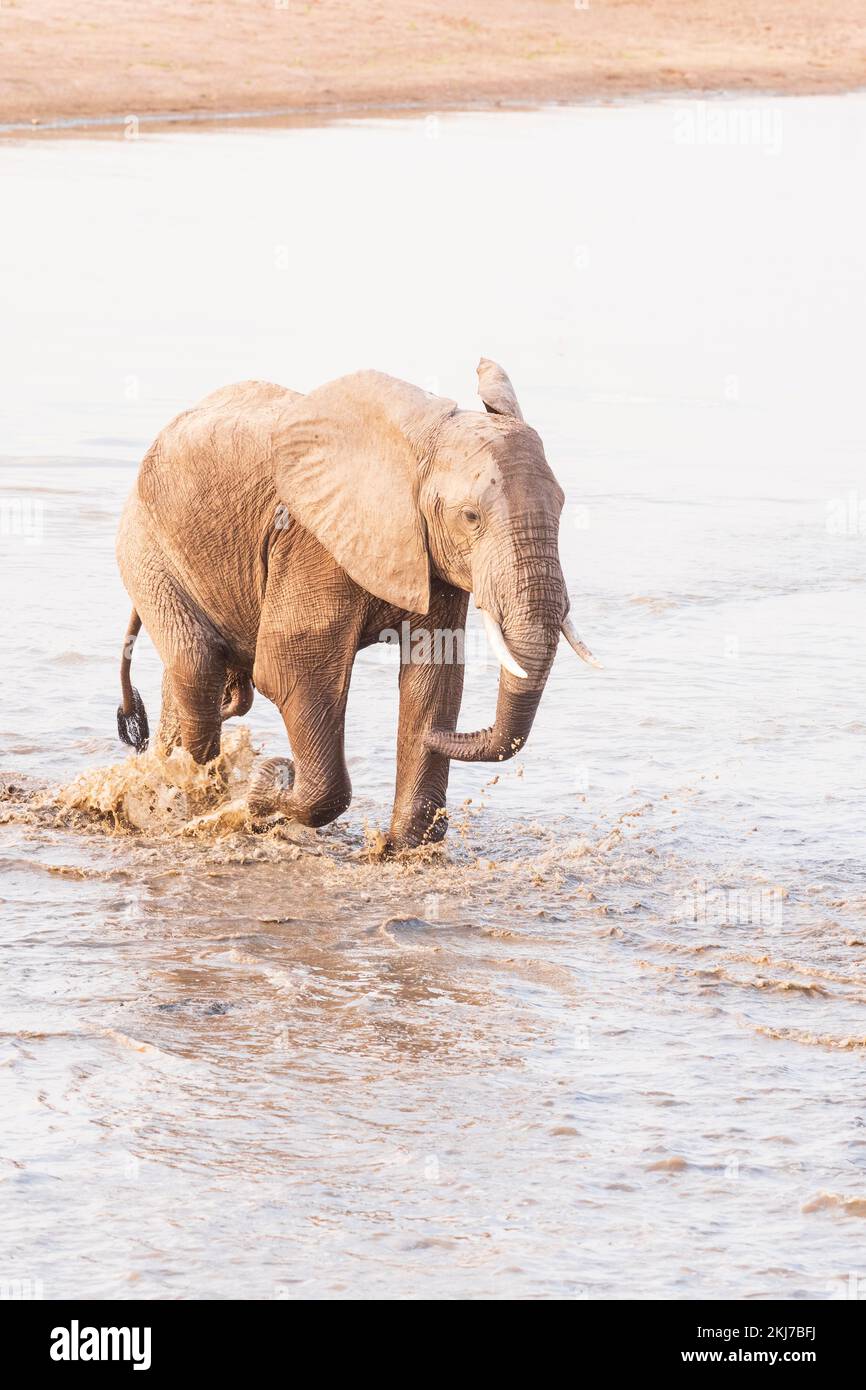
(132, 726)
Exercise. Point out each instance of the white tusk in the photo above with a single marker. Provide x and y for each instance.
(498, 645)
(571, 637)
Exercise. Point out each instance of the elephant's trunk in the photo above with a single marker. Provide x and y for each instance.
(515, 711)
(531, 642)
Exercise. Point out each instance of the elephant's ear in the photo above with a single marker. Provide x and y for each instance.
(347, 461)
(496, 391)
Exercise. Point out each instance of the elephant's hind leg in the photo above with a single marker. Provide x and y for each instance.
(168, 733)
(193, 680)
(192, 650)
(197, 686)
(192, 695)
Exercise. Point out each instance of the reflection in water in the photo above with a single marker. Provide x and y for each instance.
(608, 1039)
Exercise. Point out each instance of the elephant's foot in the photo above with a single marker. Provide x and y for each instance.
(270, 787)
(423, 823)
(132, 725)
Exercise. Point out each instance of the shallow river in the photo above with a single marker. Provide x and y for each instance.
(612, 1040)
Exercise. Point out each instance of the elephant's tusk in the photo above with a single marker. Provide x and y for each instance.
(499, 646)
(571, 637)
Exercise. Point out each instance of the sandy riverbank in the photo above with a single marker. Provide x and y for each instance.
(146, 57)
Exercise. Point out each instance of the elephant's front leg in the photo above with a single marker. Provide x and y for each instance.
(307, 639)
(314, 788)
(431, 686)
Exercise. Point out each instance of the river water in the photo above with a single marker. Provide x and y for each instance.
(611, 1040)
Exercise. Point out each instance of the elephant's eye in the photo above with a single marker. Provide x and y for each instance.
(471, 515)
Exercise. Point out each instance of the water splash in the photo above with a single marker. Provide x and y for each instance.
(154, 792)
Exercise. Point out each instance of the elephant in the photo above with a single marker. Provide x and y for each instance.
(271, 535)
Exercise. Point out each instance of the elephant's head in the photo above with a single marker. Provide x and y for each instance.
(399, 485)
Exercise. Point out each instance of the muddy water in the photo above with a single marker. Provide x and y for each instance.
(611, 1040)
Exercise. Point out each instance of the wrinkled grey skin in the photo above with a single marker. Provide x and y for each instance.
(271, 536)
